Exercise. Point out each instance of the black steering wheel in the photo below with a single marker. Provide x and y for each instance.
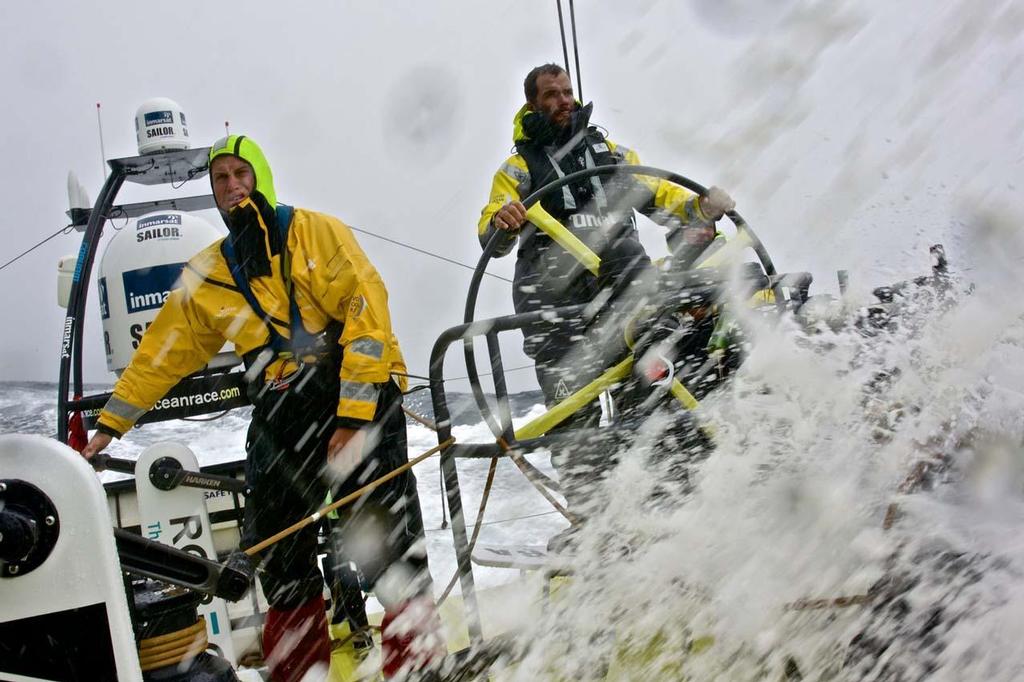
(488, 252)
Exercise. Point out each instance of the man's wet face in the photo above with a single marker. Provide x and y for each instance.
(555, 98)
(233, 180)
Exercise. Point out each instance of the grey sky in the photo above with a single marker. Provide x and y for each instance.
(852, 134)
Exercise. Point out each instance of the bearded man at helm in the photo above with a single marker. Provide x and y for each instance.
(553, 137)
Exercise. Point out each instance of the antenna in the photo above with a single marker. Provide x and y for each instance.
(226, 131)
(565, 50)
(103, 153)
(575, 46)
(576, 50)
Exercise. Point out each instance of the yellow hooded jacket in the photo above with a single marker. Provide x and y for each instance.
(512, 183)
(332, 279)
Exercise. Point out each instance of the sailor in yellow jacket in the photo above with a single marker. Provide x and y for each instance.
(333, 281)
(553, 138)
(308, 312)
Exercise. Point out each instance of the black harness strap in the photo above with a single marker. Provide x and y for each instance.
(300, 339)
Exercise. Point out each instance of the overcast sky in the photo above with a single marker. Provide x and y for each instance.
(851, 134)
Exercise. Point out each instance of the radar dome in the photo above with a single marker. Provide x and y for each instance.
(140, 267)
(160, 126)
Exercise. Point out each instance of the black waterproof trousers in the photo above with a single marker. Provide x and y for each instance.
(287, 455)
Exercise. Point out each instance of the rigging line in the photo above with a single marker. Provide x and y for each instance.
(427, 253)
(63, 230)
(482, 374)
(499, 521)
(561, 28)
(575, 50)
(103, 152)
(476, 529)
(528, 472)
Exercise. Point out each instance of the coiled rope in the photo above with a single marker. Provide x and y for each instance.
(174, 647)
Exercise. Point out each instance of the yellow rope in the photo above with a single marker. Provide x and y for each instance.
(476, 528)
(317, 515)
(172, 636)
(420, 418)
(174, 647)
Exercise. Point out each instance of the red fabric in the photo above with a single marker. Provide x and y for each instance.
(77, 437)
(411, 637)
(294, 640)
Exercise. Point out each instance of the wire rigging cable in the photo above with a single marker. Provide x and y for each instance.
(63, 230)
(575, 50)
(561, 29)
(425, 252)
(481, 374)
(66, 229)
(575, 45)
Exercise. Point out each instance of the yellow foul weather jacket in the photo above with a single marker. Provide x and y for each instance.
(512, 182)
(332, 280)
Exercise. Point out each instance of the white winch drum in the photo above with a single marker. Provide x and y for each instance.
(140, 267)
(160, 126)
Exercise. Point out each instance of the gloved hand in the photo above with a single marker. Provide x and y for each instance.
(246, 230)
(716, 203)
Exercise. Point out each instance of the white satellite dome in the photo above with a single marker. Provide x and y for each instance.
(160, 126)
(139, 268)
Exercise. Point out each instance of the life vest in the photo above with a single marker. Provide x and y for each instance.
(550, 163)
(598, 209)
